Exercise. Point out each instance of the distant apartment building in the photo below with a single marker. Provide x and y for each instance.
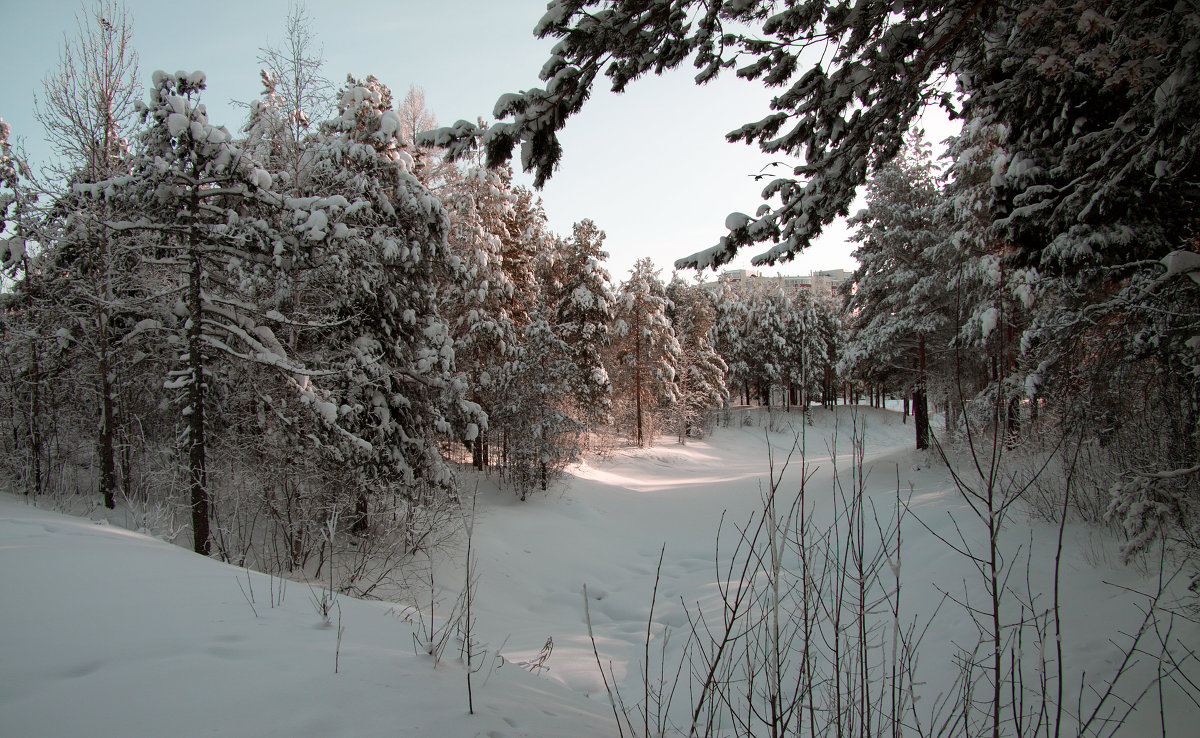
(822, 285)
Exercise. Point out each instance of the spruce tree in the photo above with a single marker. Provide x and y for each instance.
(646, 353)
(581, 302)
(701, 370)
(901, 318)
(376, 239)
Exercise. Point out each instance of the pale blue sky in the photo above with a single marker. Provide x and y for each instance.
(651, 166)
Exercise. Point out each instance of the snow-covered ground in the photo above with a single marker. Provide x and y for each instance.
(107, 632)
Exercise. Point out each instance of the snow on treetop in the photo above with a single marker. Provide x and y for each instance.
(177, 123)
(734, 221)
(389, 123)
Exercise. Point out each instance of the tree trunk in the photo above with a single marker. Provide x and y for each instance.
(1013, 421)
(197, 476)
(920, 401)
(35, 412)
(108, 467)
(362, 515)
(477, 450)
(108, 470)
(637, 380)
(1014, 403)
(35, 381)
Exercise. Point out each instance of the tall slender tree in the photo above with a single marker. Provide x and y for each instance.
(86, 109)
(900, 301)
(378, 240)
(581, 302)
(701, 370)
(20, 324)
(299, 92)
(198, 195)
(87, 102)
(646, 353)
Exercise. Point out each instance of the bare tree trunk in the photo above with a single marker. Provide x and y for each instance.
(35, 412)
(197, 475)
(637, 381)
(1013, 410)
(35, 379)
(104, 442)
(478, 447)
(108, 467)
(920, 400)
(362, 514)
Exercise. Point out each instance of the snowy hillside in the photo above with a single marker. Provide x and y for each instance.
(110, 633)
(107, 632)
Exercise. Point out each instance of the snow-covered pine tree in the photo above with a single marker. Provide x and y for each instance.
(645, 352)
(701, 370)
(579, 293)
(988, 293)
(23, 365)
(806, 347)
(479, 304)
(832, 327)
(901, 321)
(731, 324)
(376, 239)
(526, 237)
(540, 438)
(768, 354)
(202, 199)
(1095, 190)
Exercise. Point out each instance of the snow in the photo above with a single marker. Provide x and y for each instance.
(1183, 262)
(177, 124)
(734, 221)
(389, 124)
(315, 225)
(116, 633)
(261, 178)
(109, 632)
(988, 321)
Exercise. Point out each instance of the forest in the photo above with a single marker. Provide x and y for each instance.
(299, 342)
